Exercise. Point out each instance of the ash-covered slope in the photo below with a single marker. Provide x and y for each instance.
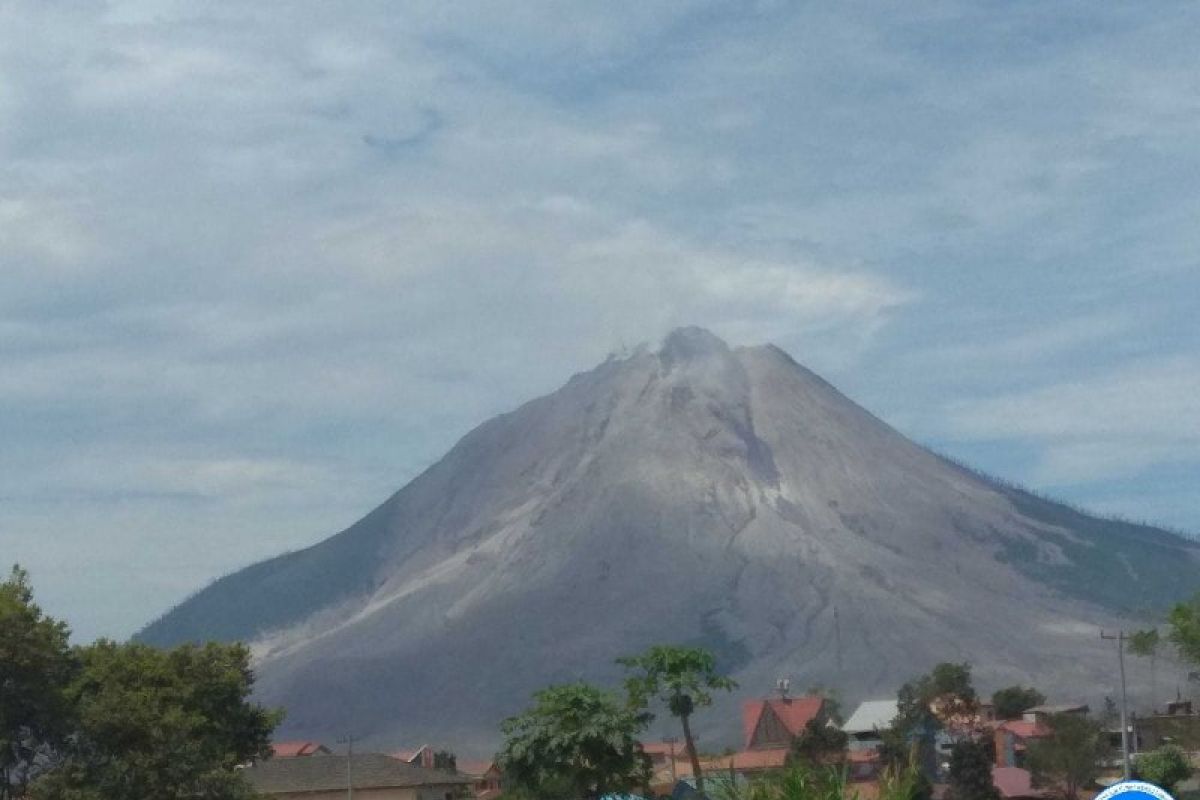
(698, 494)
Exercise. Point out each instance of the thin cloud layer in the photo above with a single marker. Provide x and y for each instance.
(259, 266)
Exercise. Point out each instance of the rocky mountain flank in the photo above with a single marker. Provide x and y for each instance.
(699, 494)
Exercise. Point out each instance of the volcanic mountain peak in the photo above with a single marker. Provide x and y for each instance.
(701, 494)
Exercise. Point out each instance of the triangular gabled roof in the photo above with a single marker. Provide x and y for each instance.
(793, 714)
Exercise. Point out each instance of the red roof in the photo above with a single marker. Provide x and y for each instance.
(1024, 729)
(1014, 782)
(295, 749)
(793, 712)
(477, 769)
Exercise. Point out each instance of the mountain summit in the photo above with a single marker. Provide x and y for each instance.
(701, 494)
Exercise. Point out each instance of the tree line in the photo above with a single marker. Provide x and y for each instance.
(115, 721)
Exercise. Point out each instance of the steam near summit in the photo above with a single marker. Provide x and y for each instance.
(701, 494)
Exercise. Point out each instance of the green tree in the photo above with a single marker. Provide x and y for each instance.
(1068, 759)
(1167, 767)
(819, 744)
(1145, 644)
(576, 741)
(971, 772)
(832, 708)
(944, 698)
(1013, 701)
(35, 667)
(1184, 633)
(683, 678)
(169, 725)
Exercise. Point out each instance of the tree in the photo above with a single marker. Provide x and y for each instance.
(445, 760)
(1013, 701)
(576, 741)
(1145, 644)
(1184, 622)
(819, 744)
(832, 708)
(971, 772)
(1167, 766)
(35, 668)
(1068, 759)
(684, 678)
(945, 698)
(168, 724)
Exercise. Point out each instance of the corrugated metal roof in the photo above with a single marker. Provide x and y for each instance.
(872, 715)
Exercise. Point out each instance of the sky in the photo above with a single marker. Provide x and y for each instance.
(261, 264)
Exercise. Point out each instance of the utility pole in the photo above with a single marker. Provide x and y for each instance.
(1120, 640)
(349, 742)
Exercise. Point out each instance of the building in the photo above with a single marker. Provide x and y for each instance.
(868, 721)
(1015, 783)
(373, 776)
(772, 724)
(1012, 740)
(421, 757)
(298, 749)
(487, 781)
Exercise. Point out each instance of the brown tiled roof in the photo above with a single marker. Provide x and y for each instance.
(328, 773)
(295, 749)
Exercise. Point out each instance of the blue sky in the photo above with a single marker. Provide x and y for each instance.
(260, 264)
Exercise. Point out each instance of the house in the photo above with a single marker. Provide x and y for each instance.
(298, 749)
(1043, 713)
(487, 781)
(865, 725)
(1015, 783)
(373, 776)
(421, 757)
(773, 723)
(1179, 726)
(1013, 737)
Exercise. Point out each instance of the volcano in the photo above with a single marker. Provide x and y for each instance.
(700, 494)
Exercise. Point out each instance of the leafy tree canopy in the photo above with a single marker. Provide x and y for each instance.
(944, 698)
(819, 744)
(576, 740)
(1012, 701)
(444, 759)
(1167, 767)
(971, 772)
(1067, 759)
(35, 667)
(164, 724)
(1184, 633)
(1144, 643)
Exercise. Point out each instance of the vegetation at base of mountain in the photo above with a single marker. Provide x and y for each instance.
(943, 699)
(970, 775)
(683, 679)
(112, 721)
(1168, 766)
(1012, 701)
(819, 744)
(1184, 633)
(35, 667)
(574, 741)
(1067, 760)
(800, 781)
